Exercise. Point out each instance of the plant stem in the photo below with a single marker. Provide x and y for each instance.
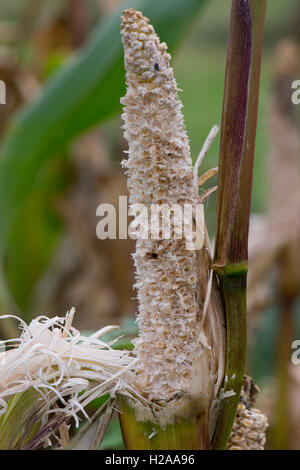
(238, 132)
(233, 126)
(184, 434)
(233, 281)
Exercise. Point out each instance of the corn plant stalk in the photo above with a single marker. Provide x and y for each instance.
(140, 434)
(239, 121)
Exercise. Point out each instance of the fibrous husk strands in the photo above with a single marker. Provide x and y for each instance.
(53, 363)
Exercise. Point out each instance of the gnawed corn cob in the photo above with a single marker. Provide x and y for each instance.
(249, 428)
(180, 348)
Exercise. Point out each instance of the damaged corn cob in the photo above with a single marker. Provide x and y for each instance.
(249, 428)
(159, 171)
(180, 348)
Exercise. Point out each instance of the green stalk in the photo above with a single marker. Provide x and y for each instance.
(186, 433)
(238, 132)
(233, 282)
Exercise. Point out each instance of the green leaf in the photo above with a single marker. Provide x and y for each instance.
(20, 420)
(34, 233)
(127, 331)
(84, 92)
(113, 437)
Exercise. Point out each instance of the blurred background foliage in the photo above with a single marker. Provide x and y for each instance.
(61, 147)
